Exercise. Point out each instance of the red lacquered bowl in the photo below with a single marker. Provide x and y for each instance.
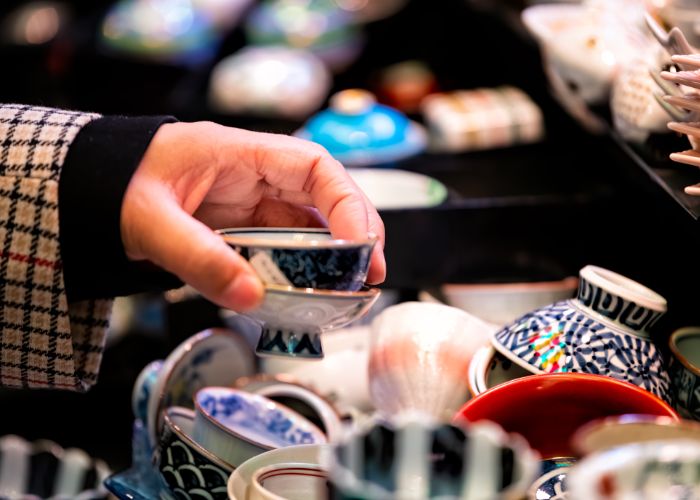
(548, 409)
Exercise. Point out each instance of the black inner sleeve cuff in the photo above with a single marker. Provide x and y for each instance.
(94, 178)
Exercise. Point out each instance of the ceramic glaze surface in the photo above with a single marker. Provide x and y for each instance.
(189, 471)
(685, 371)
(601, 332)
(309, 259)
(552, 484)
(417, 460)
(289, 481)
(420, 355)
(661, 469)
(143, 388)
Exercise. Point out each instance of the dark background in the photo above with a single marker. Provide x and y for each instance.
(524, 213)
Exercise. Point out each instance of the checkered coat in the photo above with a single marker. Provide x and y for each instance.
(45, 342)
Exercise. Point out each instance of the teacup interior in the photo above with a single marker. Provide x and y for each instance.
(302, 408)
(282, 235)
(294, 482)
(501, 369)
(689, 347)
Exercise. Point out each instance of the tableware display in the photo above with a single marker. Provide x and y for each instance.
(404, 85)
(611, 432)
(658, 469)
(303, 258)
(357, 131)
(417, 459)
(188, 469)
(565, 401)
(269, 81)
(240, 482)
(304, 400)
(420, 355)
(235, 425)
(43, 469)
(490, 368)
(503, 303)
(552, 482)
(347, 351)
(484, 118)
(163, 30)
(213, 357)
(319, 26)
(292, 481)
(394, 189)
(685, 371)
(605, 330)
(293, 319)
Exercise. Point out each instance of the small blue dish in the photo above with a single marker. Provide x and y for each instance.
(303, 258)
(357, 131)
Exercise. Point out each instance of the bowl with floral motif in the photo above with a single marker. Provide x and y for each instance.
(236, 425)
(303, 258)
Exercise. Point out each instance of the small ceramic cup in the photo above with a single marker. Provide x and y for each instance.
(303, 258)
(289, 481)
(235, 425)
(685, 371)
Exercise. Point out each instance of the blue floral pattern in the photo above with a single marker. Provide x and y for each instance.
(237, 412)
(563, 338)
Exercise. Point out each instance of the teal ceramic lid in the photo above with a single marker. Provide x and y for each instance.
(358, 131)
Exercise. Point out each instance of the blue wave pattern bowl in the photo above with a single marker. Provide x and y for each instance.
(303, 258)
(236, 425)
(187, 469)
(604, 331)
(357, 131)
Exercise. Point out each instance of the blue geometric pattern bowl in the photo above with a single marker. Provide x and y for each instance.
(357, 131)
(303, 258)
(236, 425)
(604, 331)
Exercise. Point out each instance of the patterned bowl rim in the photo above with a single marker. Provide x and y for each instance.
(570, 378)
(269, 404)
(687, 331)
(236, 236)
(255, 482)
(586, 430)
(624, 287)
(314, 293)
(184, 437)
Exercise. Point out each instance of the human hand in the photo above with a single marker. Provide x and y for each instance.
(196, 177)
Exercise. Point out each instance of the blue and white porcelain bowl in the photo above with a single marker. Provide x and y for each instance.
(417, 459)
(685, 371)
(235, 425)
(357, 131)
(303, 258)
(293, 319)
(187, 469)
(604, 331)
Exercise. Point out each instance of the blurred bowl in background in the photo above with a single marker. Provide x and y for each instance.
(393, 189)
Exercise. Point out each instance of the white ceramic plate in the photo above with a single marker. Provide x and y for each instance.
(240, 480)
(396, 189)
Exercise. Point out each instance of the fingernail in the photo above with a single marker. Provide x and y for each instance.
(247, 292)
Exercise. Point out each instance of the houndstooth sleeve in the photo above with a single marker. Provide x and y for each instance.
(44, 341)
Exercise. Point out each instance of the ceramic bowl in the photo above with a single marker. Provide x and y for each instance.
(347, 351)
(269, 81)
(291, 481)
(235, 425)
(303, 258)
(659, 469)
(420, 355)
(418, 459)
(213, 357)
(42, 469)
(357, 131)
(285, 390)
(185, 467)
(319, 26)
(552, 482)
(564, 402)
(685, 369)
(294, 318)
(163, 30)
(143, 388)
(489, 368)
(605, 331)
(240, 482)
(503, 303)
(394, 189)
(612, 432)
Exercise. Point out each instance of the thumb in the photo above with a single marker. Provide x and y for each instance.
(187, 248)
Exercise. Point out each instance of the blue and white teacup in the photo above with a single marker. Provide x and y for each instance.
(685, 371)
